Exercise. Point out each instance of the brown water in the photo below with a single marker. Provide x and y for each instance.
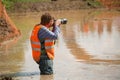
(88, 47)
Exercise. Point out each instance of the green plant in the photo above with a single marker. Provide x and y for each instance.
(7, 3)
(94, 3)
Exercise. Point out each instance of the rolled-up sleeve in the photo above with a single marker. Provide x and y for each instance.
(45, 33)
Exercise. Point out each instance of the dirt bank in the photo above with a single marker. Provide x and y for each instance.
(52, 5)
(64, 5)
(8, 29)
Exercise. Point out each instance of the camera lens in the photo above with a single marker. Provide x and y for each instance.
(63, 21)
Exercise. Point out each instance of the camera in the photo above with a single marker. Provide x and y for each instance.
(62, 20)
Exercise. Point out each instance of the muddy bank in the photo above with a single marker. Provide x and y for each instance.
(52, 6)
(6, 31)
(56, 5)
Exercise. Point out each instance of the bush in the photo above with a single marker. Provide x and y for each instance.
(9, 3)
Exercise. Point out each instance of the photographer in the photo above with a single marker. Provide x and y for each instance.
(42, 43)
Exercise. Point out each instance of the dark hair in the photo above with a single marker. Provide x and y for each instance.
(45, 18)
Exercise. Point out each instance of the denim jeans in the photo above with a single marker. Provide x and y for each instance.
(45, 65)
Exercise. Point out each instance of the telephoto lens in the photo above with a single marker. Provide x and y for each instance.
(63, 21)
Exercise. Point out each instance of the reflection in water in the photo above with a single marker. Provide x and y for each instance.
(8, 58)
(47, 77)
(7, 44)
(20, 74)
(95, 40)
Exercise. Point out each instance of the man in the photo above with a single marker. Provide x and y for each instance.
(42, 43)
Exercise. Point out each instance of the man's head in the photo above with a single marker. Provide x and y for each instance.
(47, 20)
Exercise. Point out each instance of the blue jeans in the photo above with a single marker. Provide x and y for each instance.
(45, 65)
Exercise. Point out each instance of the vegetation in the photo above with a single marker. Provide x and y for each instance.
(94, 3)
(9, 3)
(25, 4)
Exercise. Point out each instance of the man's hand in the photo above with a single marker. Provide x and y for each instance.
(58, 22)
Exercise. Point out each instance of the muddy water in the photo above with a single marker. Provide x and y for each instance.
(88, 47)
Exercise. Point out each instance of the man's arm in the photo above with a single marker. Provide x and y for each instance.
(45, 33)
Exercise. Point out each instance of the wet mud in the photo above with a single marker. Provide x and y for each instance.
(6, 32)
(8, 29)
